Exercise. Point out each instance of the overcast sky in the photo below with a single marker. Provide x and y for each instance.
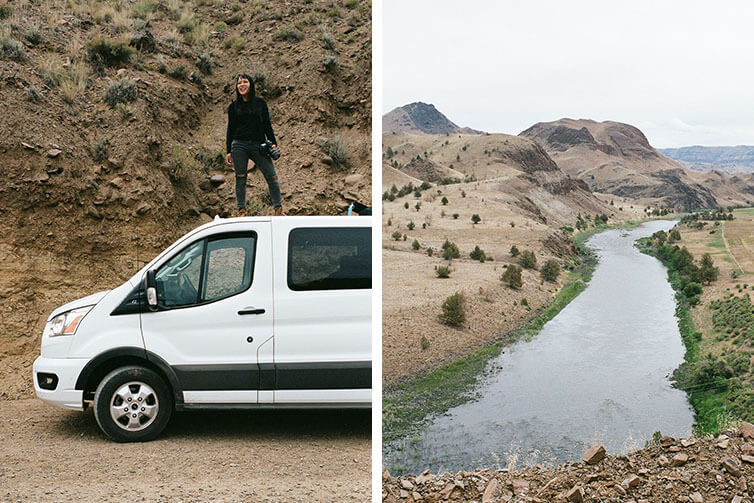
(681, 71)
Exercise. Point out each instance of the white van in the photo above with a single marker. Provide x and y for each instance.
(238, 313)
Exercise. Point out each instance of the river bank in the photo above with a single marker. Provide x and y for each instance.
(695, 470)
(718, 329)
(408, 402)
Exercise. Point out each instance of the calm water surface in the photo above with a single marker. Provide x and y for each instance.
(598, 372)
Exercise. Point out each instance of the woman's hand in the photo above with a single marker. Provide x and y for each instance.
(228, 159)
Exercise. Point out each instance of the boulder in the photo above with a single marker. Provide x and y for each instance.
(680, 459)
(491, 492)
(631, 481)
(747, 430)
(594, 455)
(217, 180)
(576, 494)
(520, 487)
(732, 467)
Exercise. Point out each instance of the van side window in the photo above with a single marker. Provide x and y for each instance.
(205, 271)
(178, 279)
(229, 268)
(324, 258)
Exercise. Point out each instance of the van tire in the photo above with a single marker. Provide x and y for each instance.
(146, 402)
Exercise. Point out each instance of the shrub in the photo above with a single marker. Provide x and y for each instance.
(205, 63)
(450, 250)
(455, 216)
(453, 310)
(478, 254)
(550, 271)
(475, 219)
(179, 72)
(120, 92)
(424, 343)
(415, 245)
(514, 251)
(443, 271)
(288, 34)
(430, 251)
(418, 206)
(235, 19)
(337, 149)
(512, 276)
(99, 151)
(328, 41)
(234, 43)
(444, 200)
(184, 168)
(528, 260)
(11, 48)
(142, 9)
(102, 53)
(405, 205)
(330, 63)
(411, 226)
(397, 235)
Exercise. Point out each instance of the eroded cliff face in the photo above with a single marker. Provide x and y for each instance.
(617, 158)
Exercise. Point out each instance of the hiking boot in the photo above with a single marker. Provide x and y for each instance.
(242, 212)
(279, 211)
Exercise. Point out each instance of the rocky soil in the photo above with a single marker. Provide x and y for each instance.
(52, 455)
(695, 470)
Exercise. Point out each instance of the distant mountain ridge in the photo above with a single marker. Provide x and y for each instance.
(616, 158)
(421, 118)
(738, 159)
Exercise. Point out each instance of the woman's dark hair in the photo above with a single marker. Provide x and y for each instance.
(251, 104)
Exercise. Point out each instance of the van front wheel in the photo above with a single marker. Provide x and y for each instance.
(132, 404)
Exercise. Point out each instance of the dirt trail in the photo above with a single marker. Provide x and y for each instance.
(50, 454)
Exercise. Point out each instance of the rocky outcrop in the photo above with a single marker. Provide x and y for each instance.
(702, 470)
(421, 118)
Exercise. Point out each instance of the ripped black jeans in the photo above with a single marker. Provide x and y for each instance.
(242, 151)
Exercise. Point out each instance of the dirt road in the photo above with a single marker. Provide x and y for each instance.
(50, 454)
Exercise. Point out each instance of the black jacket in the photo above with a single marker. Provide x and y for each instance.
(249, 120)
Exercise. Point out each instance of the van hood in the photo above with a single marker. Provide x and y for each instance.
(89, 300)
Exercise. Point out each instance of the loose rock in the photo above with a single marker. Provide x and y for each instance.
(594, 455)
(680, 459)
(576, 494)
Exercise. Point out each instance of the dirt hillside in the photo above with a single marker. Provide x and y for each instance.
(113, 118)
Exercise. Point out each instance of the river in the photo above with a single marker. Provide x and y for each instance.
(599, 372)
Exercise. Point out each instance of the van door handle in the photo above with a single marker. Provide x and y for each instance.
(251, 310)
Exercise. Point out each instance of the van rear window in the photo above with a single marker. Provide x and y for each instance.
(330, 258)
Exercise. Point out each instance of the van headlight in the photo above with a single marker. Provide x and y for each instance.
(67, 323)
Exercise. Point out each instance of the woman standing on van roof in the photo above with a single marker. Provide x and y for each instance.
(249, 129)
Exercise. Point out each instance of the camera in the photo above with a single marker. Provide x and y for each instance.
(269, 150)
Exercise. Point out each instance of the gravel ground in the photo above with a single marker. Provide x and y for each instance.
(50, 454)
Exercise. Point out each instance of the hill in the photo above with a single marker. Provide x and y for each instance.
(421, 118)
(522, 198)
(738, 159)
(616, 158)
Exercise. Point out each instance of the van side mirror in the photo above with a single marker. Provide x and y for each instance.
(151, 289)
